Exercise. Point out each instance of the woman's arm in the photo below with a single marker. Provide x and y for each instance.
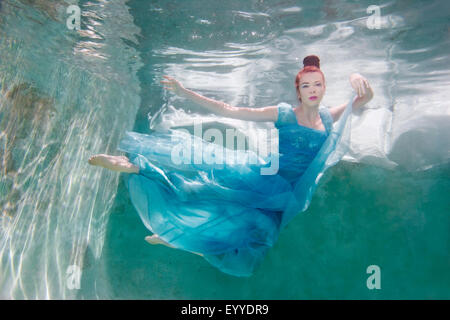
(365, 94)
(222, 108)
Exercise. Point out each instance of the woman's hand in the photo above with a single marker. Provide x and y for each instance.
(362, 88)
(173, 85)
(360, 85)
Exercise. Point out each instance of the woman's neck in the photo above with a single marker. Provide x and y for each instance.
(309, 115)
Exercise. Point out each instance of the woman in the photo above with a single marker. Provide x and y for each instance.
(232, 214)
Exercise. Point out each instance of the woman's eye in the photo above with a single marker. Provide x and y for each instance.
(319, 84)
(304, 86)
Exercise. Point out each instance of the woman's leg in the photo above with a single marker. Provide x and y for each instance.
(115, 163)
(122, 164)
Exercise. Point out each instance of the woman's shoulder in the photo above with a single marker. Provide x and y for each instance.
(284, 105)
(325, 110)
(326, 116)
(285, 114)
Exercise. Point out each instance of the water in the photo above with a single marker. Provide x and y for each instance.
(68, 94)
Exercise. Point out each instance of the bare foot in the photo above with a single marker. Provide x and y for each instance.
(115, 163)
(154, 239)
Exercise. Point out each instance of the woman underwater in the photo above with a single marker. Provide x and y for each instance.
(231, 214)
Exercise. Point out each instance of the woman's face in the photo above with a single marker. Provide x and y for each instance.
(312, 88)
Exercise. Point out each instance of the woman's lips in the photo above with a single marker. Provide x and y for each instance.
(313, 98)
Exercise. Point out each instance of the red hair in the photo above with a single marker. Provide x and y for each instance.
(310, 64)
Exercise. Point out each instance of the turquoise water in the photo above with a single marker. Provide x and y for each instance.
(68, 94)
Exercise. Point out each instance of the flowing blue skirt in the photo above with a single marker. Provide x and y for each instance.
(229, 212)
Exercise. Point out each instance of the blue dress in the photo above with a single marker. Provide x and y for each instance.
(229, 212)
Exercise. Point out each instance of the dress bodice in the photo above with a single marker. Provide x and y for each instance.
(298, 145)
(286, 116)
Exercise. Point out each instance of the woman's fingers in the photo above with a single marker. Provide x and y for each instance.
(360, 84)
(172, 84)
(169, 85)
(363, 90)
(171, 80)
(358, 88)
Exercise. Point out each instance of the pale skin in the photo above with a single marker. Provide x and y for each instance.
(311, 84)
(307, 112)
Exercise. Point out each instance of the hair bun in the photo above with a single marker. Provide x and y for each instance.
(311, 61)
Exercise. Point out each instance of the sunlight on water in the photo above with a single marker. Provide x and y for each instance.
(56, 111)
